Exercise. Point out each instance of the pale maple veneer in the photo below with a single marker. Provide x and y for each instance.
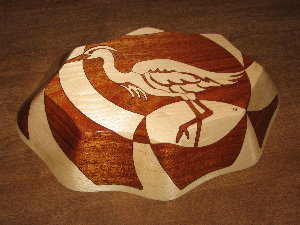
(152, 113)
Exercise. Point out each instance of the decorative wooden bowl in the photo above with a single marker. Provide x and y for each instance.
(152, 113)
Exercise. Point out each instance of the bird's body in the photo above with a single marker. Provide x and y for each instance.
(166, 77)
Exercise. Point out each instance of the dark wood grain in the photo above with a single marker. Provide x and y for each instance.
(36, 34)
(186, 164)
(104, 156)
(22, 118)
(87, 144)
(261, 119)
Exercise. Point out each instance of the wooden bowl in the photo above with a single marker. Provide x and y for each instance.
(152, 113)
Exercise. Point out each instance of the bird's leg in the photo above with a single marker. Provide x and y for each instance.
(198, 120)
(207, 112)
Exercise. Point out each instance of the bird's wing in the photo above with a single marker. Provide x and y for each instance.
(174, 81)
(167, 72)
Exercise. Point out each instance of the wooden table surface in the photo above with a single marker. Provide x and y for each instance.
(35, 35)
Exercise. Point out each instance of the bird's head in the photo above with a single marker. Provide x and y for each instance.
(98, 51)
(93, 53)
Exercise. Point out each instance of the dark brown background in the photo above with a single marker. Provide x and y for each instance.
(36, 34)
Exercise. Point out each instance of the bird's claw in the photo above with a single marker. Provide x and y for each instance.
(182, 130)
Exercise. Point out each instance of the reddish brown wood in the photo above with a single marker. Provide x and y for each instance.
(141, 134)
(185, 165)
(120, 96)
(247, 61)
(191, 49)
(261, 119)
(105, 157)
(102, 155)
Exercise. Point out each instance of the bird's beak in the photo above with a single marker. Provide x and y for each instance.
(78, 58)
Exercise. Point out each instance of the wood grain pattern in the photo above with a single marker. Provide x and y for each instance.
(22, 118)
(186, 104)
(35, 34)
(194, 50)
(261, 119)
(103, 156)
(185, 165)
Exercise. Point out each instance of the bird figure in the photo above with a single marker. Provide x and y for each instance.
(165, 77)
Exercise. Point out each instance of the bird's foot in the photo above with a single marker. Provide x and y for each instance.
(182, 130)
(135, 90)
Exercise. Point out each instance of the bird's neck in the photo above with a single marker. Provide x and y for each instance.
(110, 69)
